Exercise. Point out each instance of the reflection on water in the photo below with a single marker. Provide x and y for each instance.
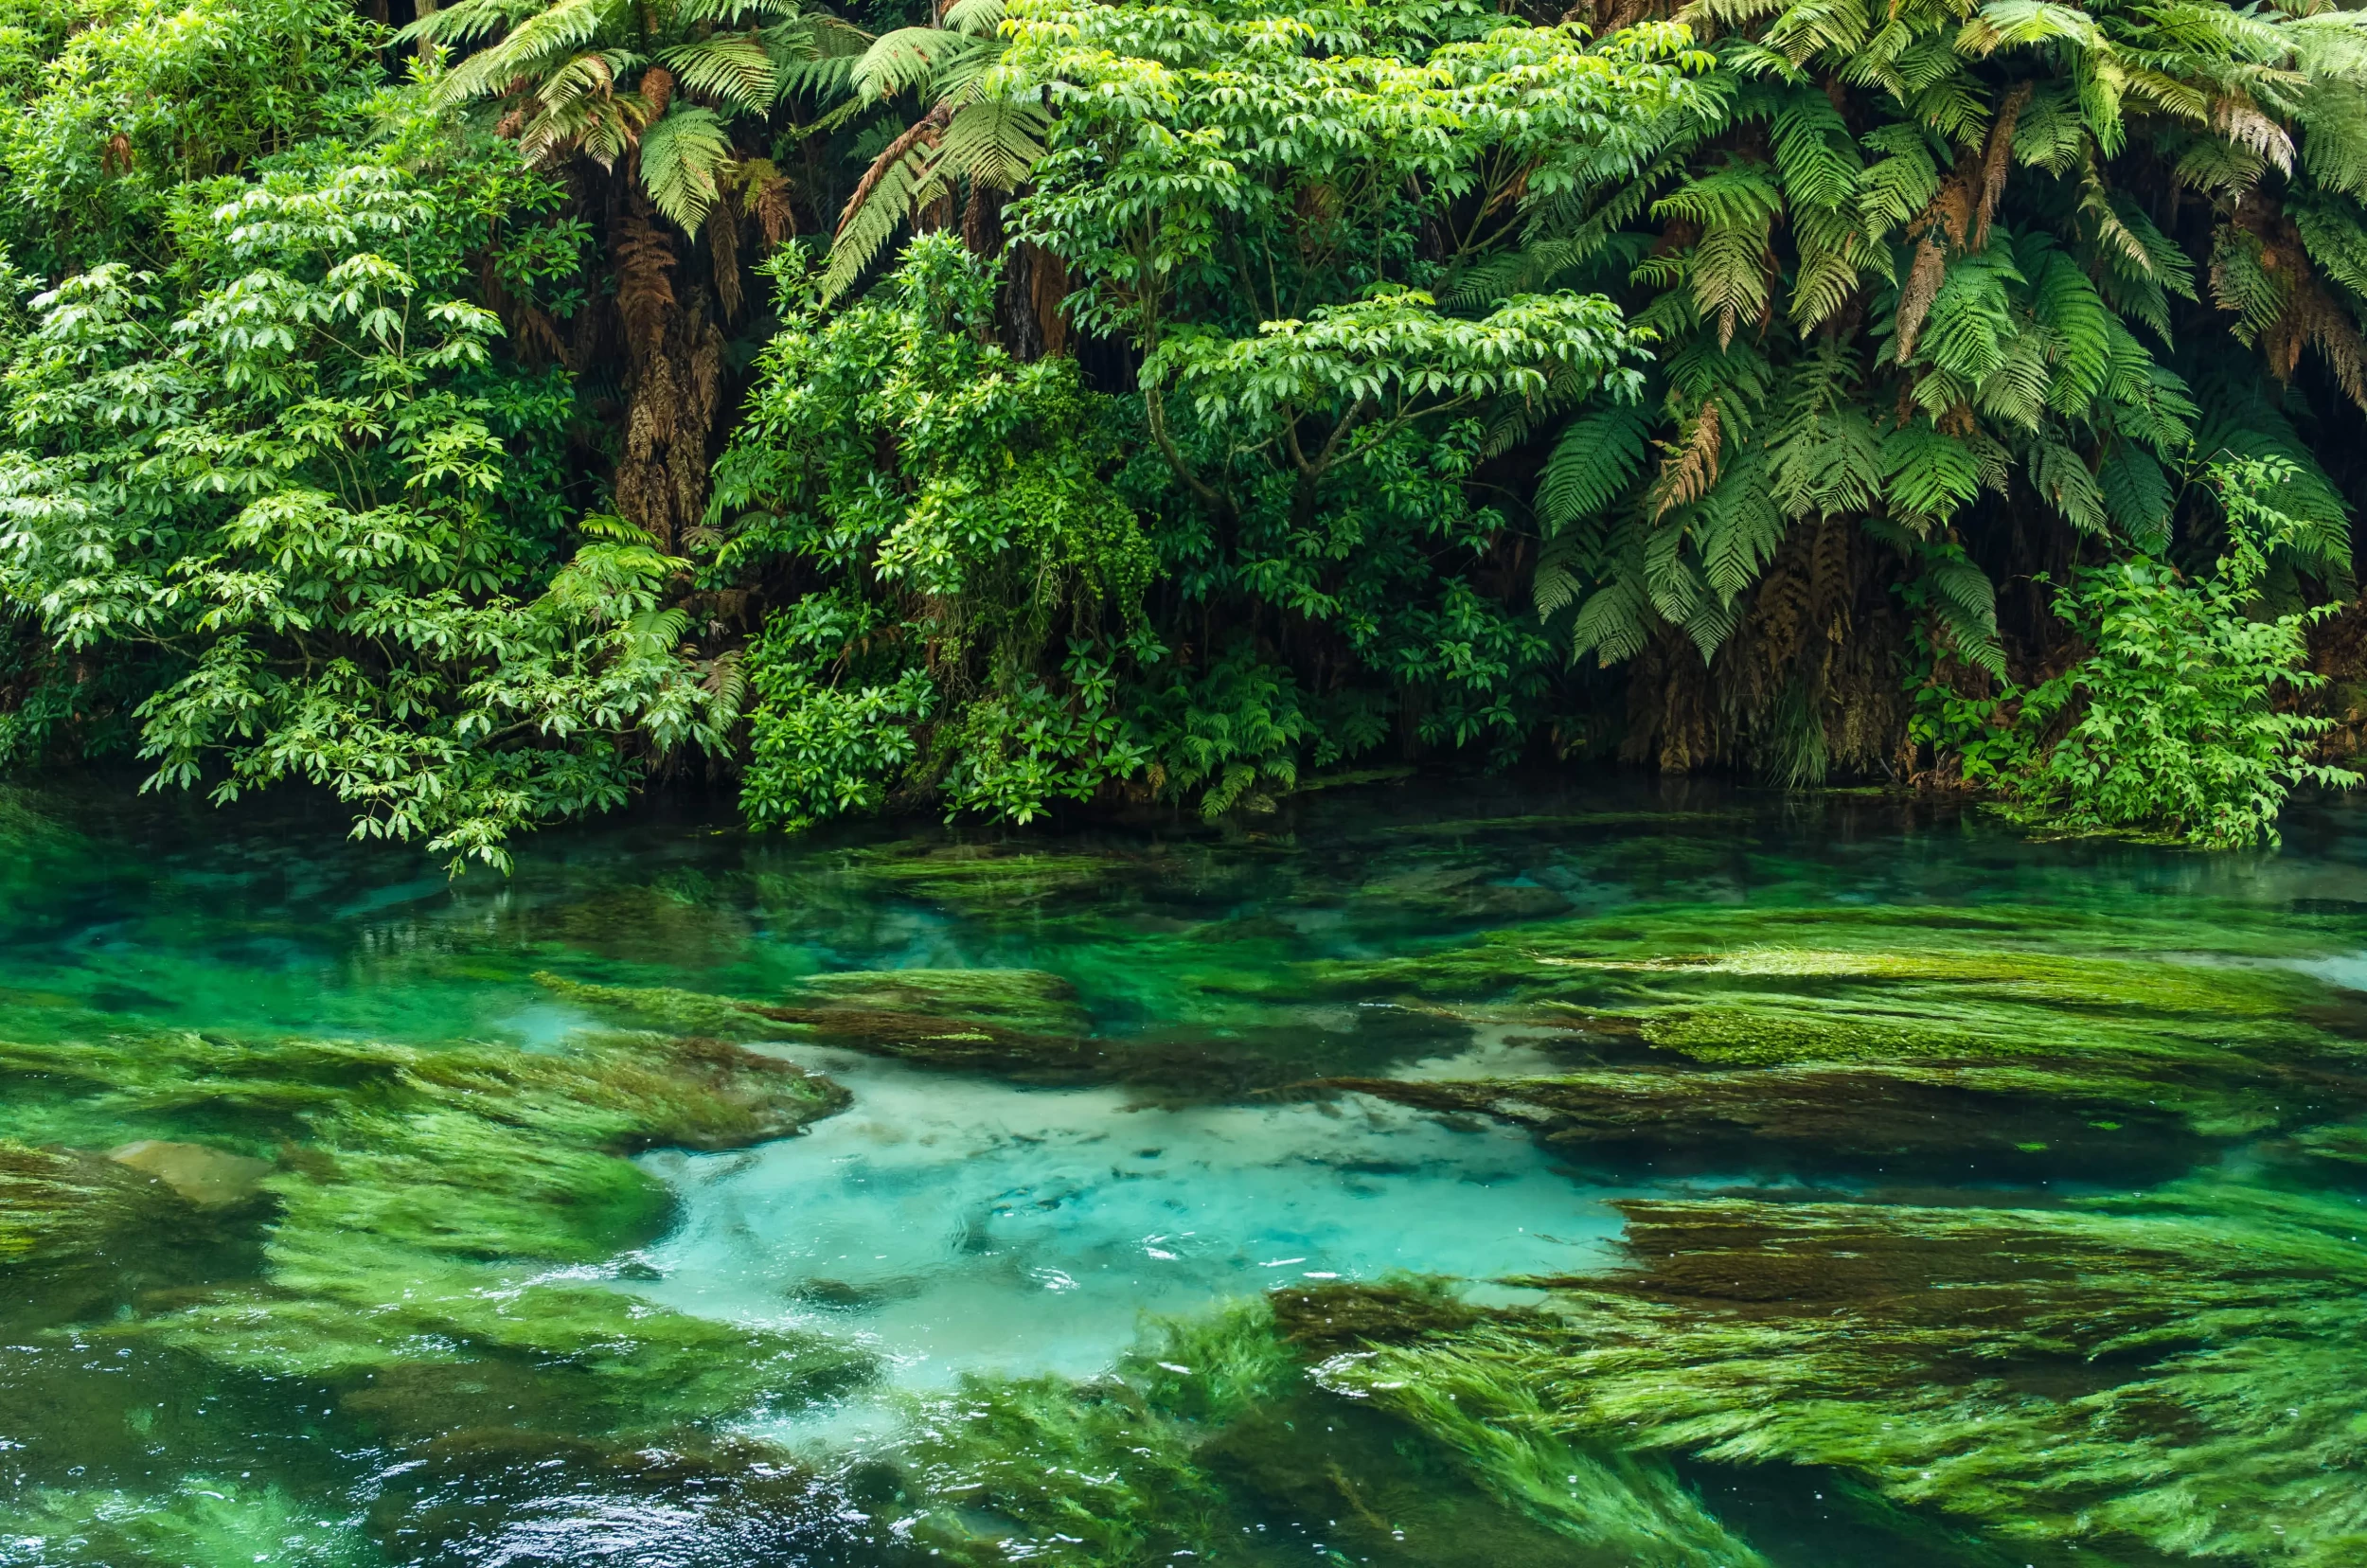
(1471, 1175)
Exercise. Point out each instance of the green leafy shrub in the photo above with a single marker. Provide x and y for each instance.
(2173, 725)
(955, 504)
(289, 480)
(119, 106)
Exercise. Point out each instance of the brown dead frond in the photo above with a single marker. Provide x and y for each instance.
(1996, 161)
(1688, 470)
(722, 231)
(925, 132)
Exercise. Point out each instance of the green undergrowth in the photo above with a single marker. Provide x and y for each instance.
(430, 1237)
(2069, 1036)
(2173, 1373)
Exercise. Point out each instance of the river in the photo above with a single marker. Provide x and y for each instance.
(1623, 1172)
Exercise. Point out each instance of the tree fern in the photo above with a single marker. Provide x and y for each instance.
(899, 178)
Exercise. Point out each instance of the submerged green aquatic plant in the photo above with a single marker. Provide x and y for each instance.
(431, 1213)
(1008, 1020)
(60, 1204)
(2174, 1371)
(204, 1522)
(1171, 1455)
(1876, 1030)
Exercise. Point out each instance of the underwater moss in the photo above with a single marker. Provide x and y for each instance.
(1025, 999)
(2012, 1120)
(677, 922)
(2173, 1371)
(414, 1346)
(988, 877)
(665, 1008)
(1027, 1025)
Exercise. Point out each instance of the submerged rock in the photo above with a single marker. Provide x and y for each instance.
(210, 1178)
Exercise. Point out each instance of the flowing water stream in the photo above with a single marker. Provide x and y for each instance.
(1627, 1174)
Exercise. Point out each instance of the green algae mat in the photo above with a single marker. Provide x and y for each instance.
(1420, 1175)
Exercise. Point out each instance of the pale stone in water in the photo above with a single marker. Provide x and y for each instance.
(210, 1177)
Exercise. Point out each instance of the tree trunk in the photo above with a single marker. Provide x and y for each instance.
(674, 378)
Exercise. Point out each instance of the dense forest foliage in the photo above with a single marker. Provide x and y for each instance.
(484, 411)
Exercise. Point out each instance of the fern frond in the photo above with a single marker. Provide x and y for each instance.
(468, 20)
(1964, 600)
(1736, 528)
(736, 70)
(531, 49)
(995, 141)
(1614, 624)
(1901, 184)
(899, 179)
(2334, 233)
(2059, 474)
(1688, 469)
(2014, 393)
(681, 157)
(1814, 151)
(2239, 120)
(1595, 461)
(2241, 284)
(2079, 328)
(1927, 475)
(978, 18)
(908, 60)
(2050, 133)
(734, 13)
(2137, 495)
(2010, 24)
(1823, 457)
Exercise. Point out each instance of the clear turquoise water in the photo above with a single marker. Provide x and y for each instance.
(948, 1221)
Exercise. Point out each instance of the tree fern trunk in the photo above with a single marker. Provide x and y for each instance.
(674, 377)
